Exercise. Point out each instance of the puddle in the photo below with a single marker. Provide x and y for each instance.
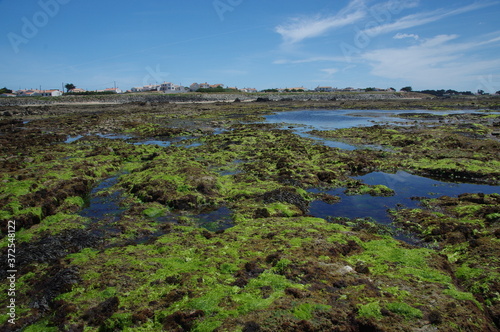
(115, 136)
(192, 145)
(72, 139)
(102, 208)
(303, 121)
(217, 220)
(154, 142)
(405, 186)
(177, 141)
(339, 119)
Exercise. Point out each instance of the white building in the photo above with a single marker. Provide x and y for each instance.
(77, 90)
(249, 90)
(168, 87)
(324, 89)
(196, 86)
(115, 90)
(39, 93)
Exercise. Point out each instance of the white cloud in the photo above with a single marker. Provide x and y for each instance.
(300, 29)
(330, 71)
(309, 60)
(419, 19)
(433, 63)
(405, 35)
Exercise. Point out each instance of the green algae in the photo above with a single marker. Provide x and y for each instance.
(275, 268)
(405, 310)
(454, 151)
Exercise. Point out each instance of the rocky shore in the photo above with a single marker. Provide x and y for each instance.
(149, 216)
(199, 98)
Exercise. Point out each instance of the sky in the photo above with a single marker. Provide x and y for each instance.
(446, 44)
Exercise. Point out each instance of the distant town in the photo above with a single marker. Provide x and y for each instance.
(168, 87)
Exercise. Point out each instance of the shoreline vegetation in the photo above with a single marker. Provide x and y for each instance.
(334, 99)
(171, 214)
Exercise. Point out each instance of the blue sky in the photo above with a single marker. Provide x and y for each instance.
(262, 44)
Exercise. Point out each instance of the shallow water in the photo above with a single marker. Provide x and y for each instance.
(340, 119)
(303, 121)
(219, 219)
(104, 209)
(405, 186)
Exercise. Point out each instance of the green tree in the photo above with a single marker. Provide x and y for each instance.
(5, 90)
(69, 86)
(407, 89)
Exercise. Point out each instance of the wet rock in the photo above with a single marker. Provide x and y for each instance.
(142, 316)
(297, 293)
(345, 270)
(52, 248)
(251, 270)
(251, 327)
(182, 321)
(261, 213)
(273, 258)
(287, 195)
(362, 268)
(262, 100)
(49, 288)
(97, 315)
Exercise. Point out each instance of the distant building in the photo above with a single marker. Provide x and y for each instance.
(324, 89)
(168, 87)
(195, 86)
(25, 93)
(8, 95)
(77, 90)
(49, 93)
(249, 90)
(115, 90)
(151, 87)
(300, 89)
(39, 93)
(146, 88)
(349, 89)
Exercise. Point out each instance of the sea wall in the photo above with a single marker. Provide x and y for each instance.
(194, 98)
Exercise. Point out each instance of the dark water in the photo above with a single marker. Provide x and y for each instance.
(219, 219)
(104, 209)
(181, 141)
(405, 186)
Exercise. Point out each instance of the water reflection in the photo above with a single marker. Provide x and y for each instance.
(405, 186)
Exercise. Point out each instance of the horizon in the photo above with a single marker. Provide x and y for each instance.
(359, 43)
